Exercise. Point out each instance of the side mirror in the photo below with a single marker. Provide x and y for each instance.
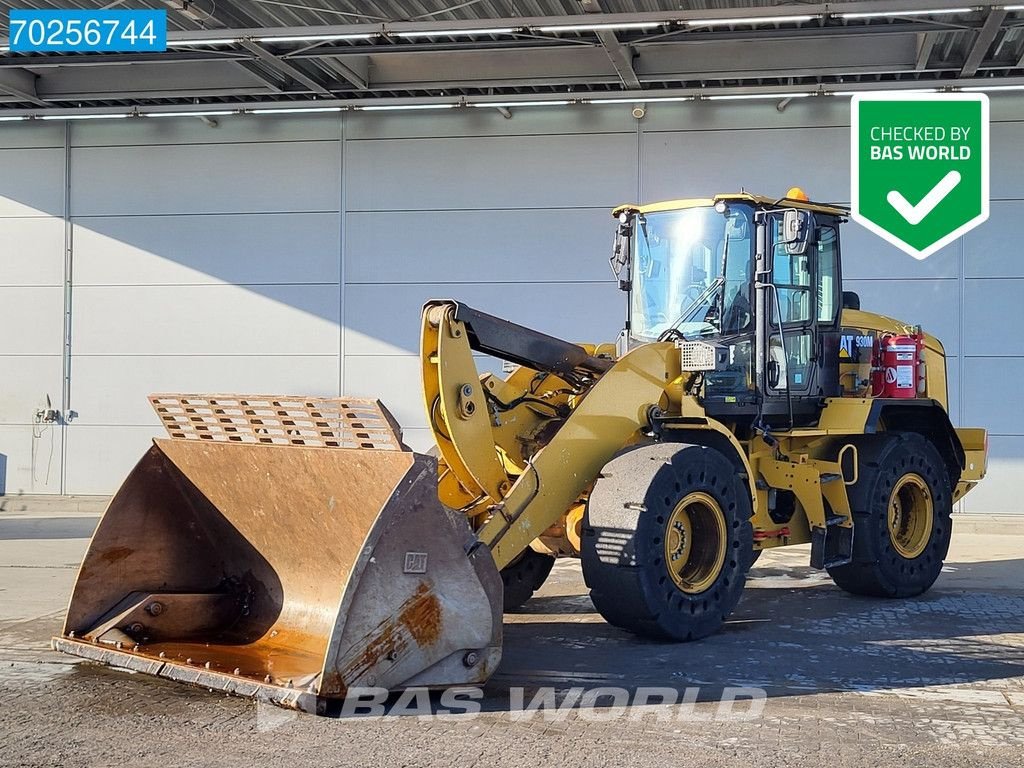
(851, 300)
(797, 226)
(621, 254)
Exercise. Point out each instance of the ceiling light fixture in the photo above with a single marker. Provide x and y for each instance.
(314, 38)
(292, 110)
(749, 20)
(599, 27)
(891, 14)
(453, 32)
(102, 116)
(400, 107)
(749, 96)
(211, 41)
(889, 90)
(552, 103)
(640, 100)
(993, 88)
(209, 113)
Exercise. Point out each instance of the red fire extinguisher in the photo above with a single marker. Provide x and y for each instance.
(898, 366)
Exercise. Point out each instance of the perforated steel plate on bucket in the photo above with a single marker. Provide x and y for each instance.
(279, 420)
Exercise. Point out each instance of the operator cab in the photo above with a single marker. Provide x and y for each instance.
(756, 278)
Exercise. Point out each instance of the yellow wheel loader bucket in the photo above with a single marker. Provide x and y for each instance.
(289, 549)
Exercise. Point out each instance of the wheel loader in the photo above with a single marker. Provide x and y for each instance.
(295, 549)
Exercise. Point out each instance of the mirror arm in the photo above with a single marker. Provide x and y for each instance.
(621, 258)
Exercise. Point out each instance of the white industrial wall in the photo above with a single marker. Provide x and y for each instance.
(292, 255)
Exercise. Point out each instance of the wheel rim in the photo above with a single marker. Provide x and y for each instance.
(910, 516)
(695, 542)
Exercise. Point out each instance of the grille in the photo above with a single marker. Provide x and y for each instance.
(696, 356)
(279, 420)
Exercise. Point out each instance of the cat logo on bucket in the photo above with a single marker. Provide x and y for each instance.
(415, 562)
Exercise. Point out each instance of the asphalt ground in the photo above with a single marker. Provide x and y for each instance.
(819, 677)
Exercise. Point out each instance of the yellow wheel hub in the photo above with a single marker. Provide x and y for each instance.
(696, 542)
(911, 514)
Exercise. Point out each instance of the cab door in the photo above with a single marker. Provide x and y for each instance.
(801, 318)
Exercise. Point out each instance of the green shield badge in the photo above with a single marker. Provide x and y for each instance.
(919, 167)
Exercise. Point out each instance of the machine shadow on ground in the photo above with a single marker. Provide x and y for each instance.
(792, 639)
(787, 640)
(793, 634)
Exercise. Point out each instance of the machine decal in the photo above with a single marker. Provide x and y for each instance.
(415, 562)
(850, 345)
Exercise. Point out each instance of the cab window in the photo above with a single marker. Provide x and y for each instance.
(791, 274)
(828, 275)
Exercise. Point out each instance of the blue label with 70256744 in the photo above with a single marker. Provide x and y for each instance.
(77, 30)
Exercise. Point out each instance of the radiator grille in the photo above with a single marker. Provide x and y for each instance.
(696, 356)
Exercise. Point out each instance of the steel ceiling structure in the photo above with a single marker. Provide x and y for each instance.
(248, 54)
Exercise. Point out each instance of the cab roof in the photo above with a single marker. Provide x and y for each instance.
(746, 197)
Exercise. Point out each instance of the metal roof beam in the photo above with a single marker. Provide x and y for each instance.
(222, 11)
(517, 55)
(21, 84)
(695, 94)
(983, 41)
(621, 56)
(43, 61)
(83, 60)
(286, 69)
(363, 50)
(151, 81)
(926, 42)
(275, 84)
(669, 62)
(508, 68)
(819, 10)
(356, 71)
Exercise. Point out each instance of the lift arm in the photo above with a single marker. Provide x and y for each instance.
(609, 411)
(612, 415)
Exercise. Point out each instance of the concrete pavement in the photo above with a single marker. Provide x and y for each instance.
(849, 681)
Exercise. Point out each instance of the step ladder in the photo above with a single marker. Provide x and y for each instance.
(820, 488)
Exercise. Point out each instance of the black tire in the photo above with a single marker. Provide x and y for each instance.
(524, 576)
(627, 538)
(897, 563)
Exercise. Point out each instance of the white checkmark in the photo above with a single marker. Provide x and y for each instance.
(916, 213)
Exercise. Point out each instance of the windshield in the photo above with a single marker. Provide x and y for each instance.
(692, 272)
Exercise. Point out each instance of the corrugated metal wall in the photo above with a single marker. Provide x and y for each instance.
(32, 232)
(292, 255)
